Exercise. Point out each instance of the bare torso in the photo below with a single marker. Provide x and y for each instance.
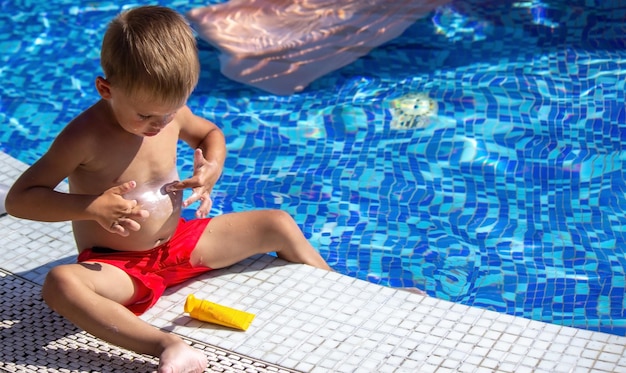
(151, 163)
(164, 209)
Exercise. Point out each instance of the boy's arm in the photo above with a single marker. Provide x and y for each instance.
(203, 134)
(209, 156)
(33, 196)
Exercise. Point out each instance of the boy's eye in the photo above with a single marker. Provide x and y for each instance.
(143, 117)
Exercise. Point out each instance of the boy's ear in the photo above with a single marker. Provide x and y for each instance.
(104, 87)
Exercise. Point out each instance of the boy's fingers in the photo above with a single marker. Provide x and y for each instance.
(130, 224)
(197, 156)
(171, 187)
(178, 185)
(139, 213)
(123, 226)
(204, 208)
(193, 198)
(125, 188)
(119, 229)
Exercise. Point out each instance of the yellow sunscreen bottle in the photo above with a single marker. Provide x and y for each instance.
(217, 314)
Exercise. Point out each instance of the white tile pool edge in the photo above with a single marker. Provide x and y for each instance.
(311, 320)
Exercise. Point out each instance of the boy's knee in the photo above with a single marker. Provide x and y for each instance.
(279, 218)
(57, 283)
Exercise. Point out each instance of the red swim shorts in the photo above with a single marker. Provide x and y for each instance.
(155, 269)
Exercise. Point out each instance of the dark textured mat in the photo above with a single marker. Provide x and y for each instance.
(35, 339)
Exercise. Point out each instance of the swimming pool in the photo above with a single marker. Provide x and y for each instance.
(510, 198)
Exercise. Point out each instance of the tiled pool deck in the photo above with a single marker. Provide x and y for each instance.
(307, 320)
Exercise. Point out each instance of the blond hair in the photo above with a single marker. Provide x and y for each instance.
(151, 51)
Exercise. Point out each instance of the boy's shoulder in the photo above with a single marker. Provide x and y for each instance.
(88, 122)
(86, 131)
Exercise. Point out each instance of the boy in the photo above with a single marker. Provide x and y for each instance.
(125, 198)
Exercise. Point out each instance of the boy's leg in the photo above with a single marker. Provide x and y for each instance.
(91, 295)
(230, 238)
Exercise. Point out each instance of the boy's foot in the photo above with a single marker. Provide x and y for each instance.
(182, 358)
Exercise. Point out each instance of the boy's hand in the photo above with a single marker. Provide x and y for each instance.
(205, 175)
(117, 214)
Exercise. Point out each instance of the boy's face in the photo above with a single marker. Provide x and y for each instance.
(139, 116)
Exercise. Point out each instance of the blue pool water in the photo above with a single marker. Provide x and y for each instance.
(511, 198)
